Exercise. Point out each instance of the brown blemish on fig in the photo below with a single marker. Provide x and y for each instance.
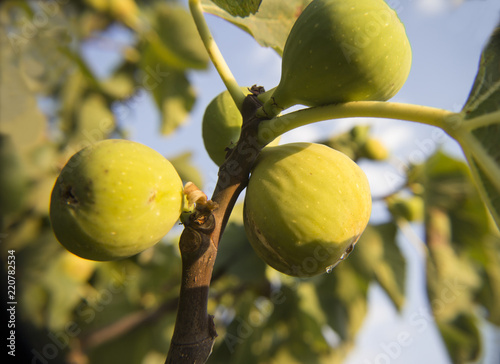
(69, 196)
(152, 197)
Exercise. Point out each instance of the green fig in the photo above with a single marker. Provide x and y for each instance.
(340, 51)
(221, 126)
(115, 199)
(411, 208)
(373, 149)
(305, 207)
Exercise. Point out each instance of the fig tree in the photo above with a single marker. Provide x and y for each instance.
(305, 207)
(114, 199)
(339, 51)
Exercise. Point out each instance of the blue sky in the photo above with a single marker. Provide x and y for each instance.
(447, 37)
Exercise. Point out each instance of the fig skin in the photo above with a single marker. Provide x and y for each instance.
(115, 199)
(305, 207)
(339, 51)
(221, 126)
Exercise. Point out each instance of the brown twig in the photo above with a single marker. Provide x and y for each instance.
(125, 325)
(194, 333)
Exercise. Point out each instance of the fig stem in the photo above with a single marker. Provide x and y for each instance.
(444, 119)
(194, 332)
(483, 120)
(476, 154)
(215, 55)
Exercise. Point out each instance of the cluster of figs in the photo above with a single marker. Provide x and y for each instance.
(306, 204)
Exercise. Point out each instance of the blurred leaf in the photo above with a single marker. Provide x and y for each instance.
(94, 122)
(342, 295)
(13, 178)
(134, 345)
(377, 256)
(237, 256)
(489, 293)
(309, 301)
(47, 276)
(177, 42)
(240, 335)
(452, 281)
(159, 276)
(186, 170)
(122, 10)
(448, 187)
(295, 326)
(462, 338)
(72, 92)
(41, 62)
(20, 116)
(270, 25)
(479, 131)
(63, 282)
(120, 85)
(39, 196)
(241, 8)
(170, 88)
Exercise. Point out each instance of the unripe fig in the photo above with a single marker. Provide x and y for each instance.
(411, 209)
(339, 51)
(221, 126)
(374, 149)
(115, 199)
(305, 207)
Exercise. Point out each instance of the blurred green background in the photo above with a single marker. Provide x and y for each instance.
(422, 284)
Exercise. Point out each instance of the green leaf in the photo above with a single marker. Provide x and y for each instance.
(237, 257)
(186, 170)
(462, 338)
(489, 294)
(20, 116)
(13, 178)
(240, 8)
(270, 25)
(121, 84)
(452, 281)
(479, 130)
(484, 97)
(177, 42)
(449, 187)
(343, 297)
(170, 88)
(95, 121)
(378, 257)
